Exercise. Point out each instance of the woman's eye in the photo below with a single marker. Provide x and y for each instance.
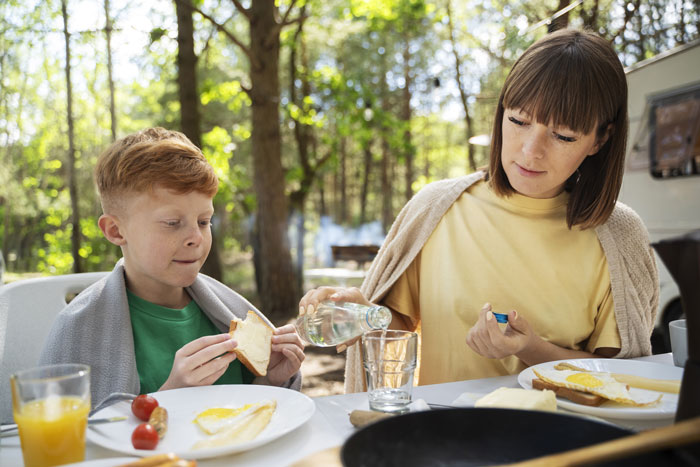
(172, 223)
(205, 223)
(516, 121)
(566, 139)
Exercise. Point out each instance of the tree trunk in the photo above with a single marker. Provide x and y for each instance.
(335, 203)
(189, 107)
(72, 182)
(406, 117)
(301, 231)
(304, 138)
(112, 107)
(277, 279)
(367, 150)
(590, 17)
(6, 231)
(462, 91)
(561, 22)
(322, 209)
(387, 211)
(343, 182)
(681, 33)
(321, 177)
(212, 265)
(25, 260)
(187, 73)
(8, 161)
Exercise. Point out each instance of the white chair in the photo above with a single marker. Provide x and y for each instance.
(27, 311)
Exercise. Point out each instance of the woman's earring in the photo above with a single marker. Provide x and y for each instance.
(578, 175)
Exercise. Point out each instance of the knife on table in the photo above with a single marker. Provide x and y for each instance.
(10, 430)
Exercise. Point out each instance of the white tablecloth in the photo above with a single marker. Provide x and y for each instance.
(330, 425)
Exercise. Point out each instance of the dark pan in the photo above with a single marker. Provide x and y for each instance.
(471, 437)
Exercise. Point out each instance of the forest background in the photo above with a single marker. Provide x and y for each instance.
(334, 109)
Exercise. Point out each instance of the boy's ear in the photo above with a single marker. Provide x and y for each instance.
(109, 225)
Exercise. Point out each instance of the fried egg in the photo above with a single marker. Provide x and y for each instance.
(213, 420)
(601, 384)
(229, 426)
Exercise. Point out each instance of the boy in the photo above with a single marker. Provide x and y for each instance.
(155, 323)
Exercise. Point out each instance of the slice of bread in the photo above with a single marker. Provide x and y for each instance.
(579, 397)
(254, 337)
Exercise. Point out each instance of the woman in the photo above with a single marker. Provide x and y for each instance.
(539, 237)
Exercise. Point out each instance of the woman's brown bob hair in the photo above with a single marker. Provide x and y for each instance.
(573, 79)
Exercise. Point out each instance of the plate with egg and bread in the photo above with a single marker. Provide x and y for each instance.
(609, 388)
(216, 420)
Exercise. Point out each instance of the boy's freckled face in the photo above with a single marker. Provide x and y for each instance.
(168, 238)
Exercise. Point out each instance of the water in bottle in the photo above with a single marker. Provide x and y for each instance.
(336, 322)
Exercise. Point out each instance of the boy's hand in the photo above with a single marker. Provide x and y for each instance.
(286, 357)
(201, 362)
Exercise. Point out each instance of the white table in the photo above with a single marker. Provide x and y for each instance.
(340, 276)
(330, 425)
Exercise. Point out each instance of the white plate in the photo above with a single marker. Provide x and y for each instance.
(183, 405)
(666, 408)
(109, 462)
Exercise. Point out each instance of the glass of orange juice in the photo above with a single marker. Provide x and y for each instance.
(51, 405)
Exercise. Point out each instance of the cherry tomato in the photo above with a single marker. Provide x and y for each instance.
(143, 405)
(144, 437)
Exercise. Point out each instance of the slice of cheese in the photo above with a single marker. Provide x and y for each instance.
(254, 337)
(517, 398)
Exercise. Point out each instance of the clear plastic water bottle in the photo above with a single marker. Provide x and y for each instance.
(336, 322)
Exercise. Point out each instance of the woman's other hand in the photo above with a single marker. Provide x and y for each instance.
(488, 340)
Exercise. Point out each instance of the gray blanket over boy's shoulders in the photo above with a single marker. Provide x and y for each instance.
(95, 329)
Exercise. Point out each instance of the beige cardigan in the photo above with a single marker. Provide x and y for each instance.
(633, 275)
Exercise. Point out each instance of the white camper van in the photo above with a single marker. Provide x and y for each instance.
(662, 172)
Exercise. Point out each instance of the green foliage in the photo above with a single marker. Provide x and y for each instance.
(230, 92)
(354, 62)
(156, 34)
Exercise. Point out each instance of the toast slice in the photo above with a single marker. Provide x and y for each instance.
(254, 337)
(579, 397)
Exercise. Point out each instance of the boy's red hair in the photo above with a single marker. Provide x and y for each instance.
(152, 157)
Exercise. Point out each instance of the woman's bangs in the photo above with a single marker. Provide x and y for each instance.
(559, 94)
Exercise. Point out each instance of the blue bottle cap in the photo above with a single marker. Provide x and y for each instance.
(501, 317)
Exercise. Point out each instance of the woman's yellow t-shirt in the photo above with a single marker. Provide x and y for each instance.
(515, 253)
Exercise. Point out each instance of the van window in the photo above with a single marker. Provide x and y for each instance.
(638, 157)
(674, 133)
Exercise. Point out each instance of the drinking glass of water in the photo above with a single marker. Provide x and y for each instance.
(389, 358)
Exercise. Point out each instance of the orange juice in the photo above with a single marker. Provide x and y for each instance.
(52, 430)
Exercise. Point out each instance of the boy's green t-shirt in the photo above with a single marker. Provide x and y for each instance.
(159, 332)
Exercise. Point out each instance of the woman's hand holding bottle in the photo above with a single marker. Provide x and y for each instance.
(338, 316)
(309, 302)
